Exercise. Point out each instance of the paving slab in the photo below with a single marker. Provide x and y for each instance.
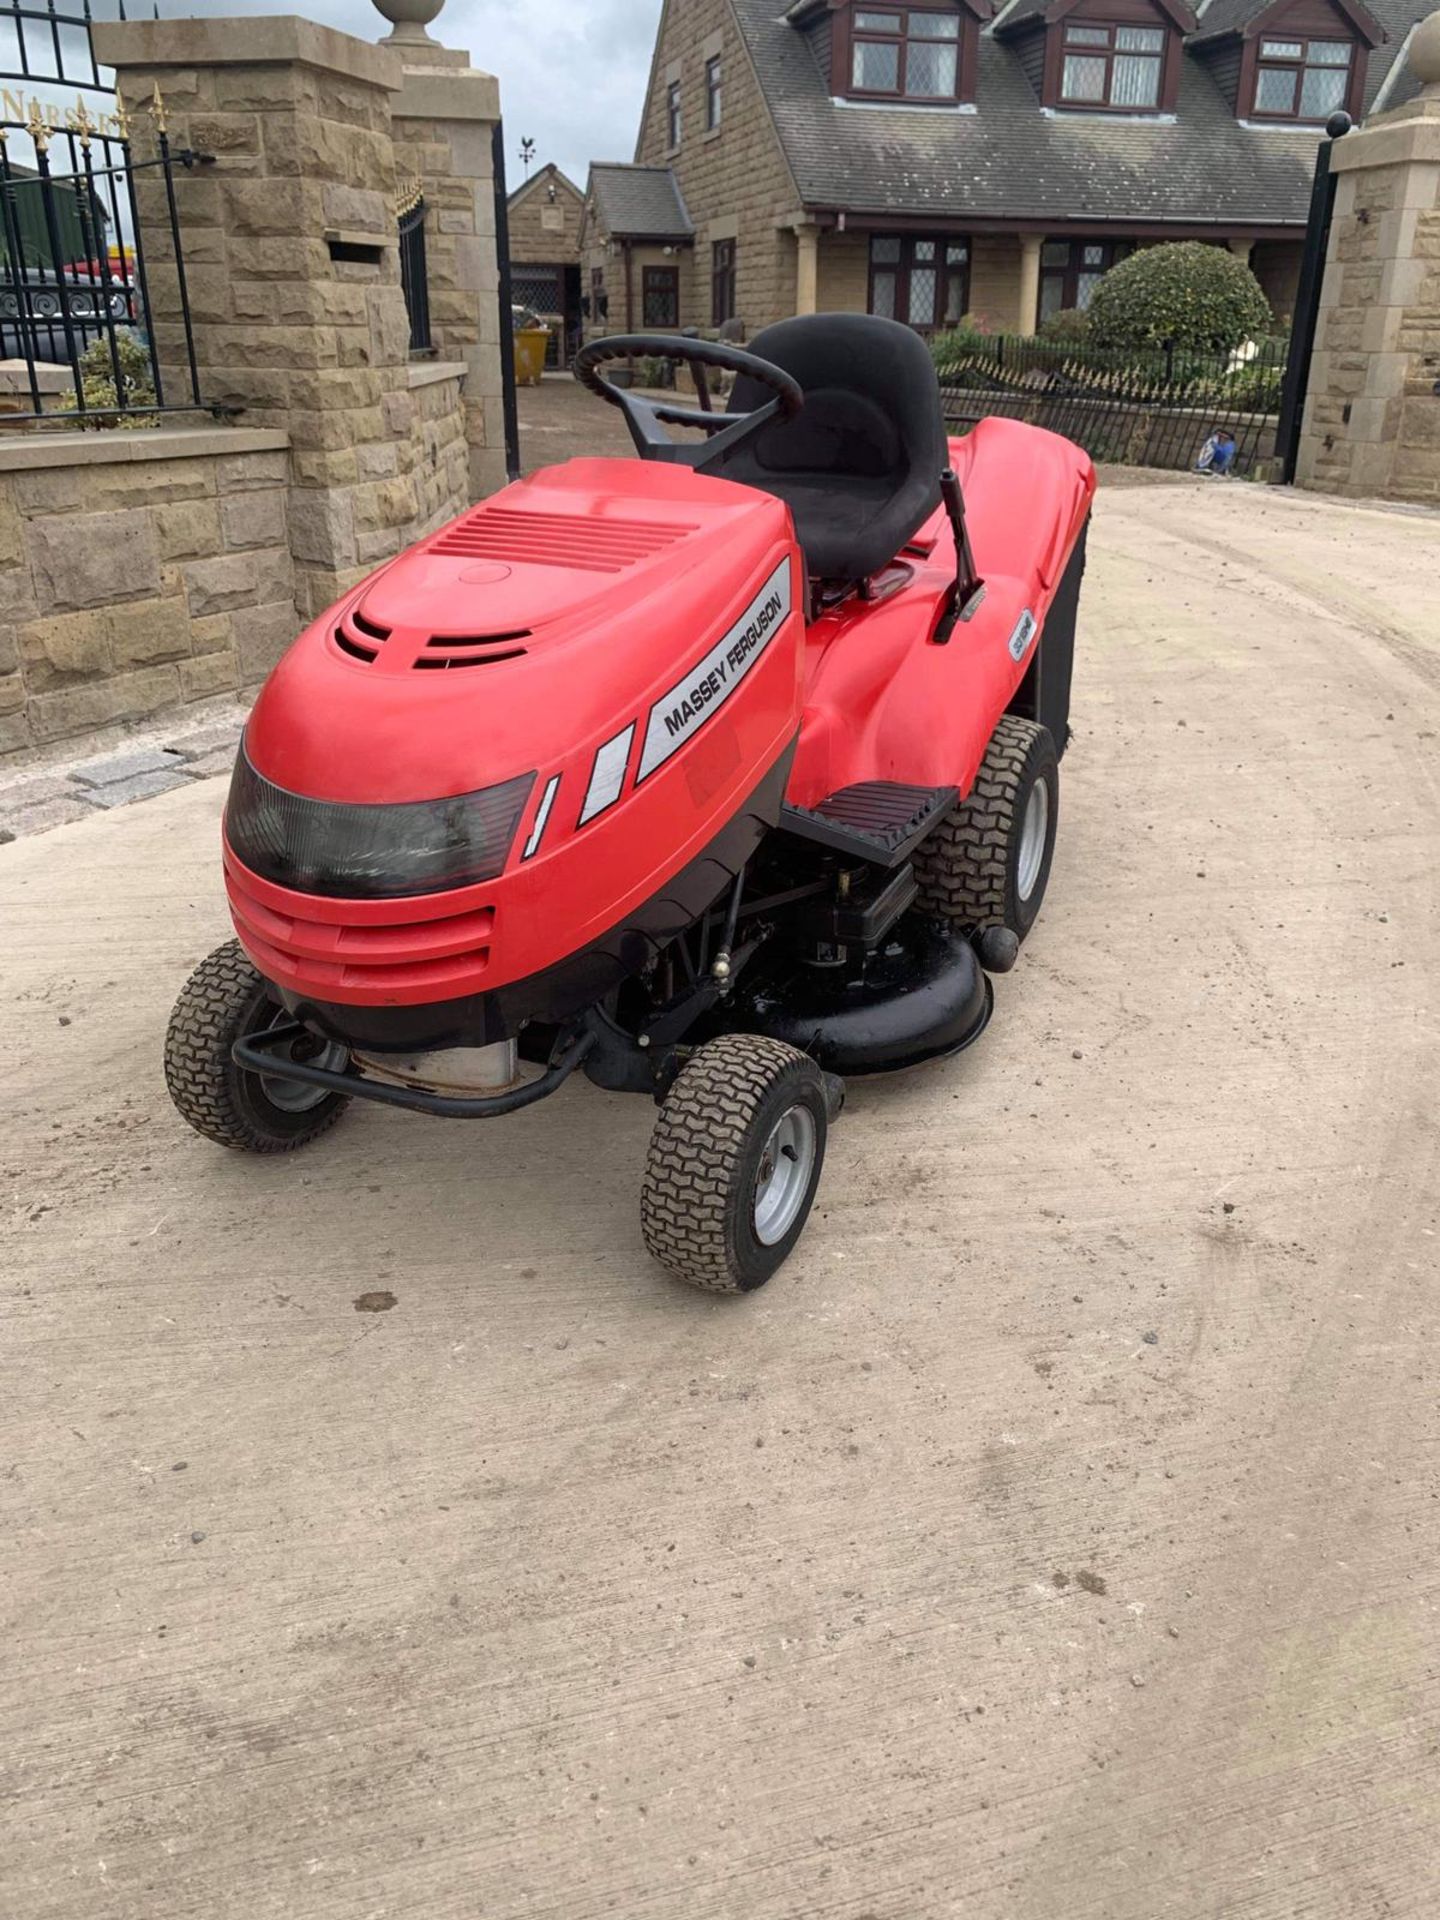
(117, 768)
(217, 760)
(202, 742)
(139, 786)
(39, 815)
(1055, 1536)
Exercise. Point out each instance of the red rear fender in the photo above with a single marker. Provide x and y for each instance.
(882, 702)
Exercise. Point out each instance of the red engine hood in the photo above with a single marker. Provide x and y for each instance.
(515, 636)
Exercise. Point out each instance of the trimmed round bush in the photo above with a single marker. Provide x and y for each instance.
(1185, 293)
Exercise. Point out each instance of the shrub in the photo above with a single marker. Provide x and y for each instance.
(1068, 327)
(968, 338)
(1185, 294)
(97, 382)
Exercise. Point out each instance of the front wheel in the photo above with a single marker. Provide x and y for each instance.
(223, 1001)
(734, 1162)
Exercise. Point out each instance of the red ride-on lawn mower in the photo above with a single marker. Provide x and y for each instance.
(719, 774)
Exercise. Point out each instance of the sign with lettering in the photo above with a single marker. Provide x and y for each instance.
(18, 109)
(710, 682)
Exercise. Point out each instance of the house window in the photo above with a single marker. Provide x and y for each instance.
(599, 304)
(660, 297)
(1070, 271)
(1113, 67)
(1301, 79)
(714, 93)
(722, 282)
(922, 280)
(672, 115)
(905, 53)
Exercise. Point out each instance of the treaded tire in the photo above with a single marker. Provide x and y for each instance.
(698, 1203)
(969, 867)
(222, 1000)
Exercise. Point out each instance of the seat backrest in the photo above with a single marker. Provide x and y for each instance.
(871, 429)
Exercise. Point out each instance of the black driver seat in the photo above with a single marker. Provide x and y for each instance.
(859, 467)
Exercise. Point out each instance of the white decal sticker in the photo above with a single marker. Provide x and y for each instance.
(547, 800)
(1022, 636)
(607, 776)
(711, 681)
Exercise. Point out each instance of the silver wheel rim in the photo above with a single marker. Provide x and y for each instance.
(293, 1096)
(784, 1177)
(1032, 839)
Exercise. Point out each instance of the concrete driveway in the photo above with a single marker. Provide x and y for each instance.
(1056, 1536)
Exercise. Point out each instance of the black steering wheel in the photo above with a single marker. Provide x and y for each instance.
(647, 418)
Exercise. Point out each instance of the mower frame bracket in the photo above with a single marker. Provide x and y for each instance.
(256, 1054)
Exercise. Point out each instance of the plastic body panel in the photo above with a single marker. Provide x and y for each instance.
(881, 702)
(633, 635)
(605, 650)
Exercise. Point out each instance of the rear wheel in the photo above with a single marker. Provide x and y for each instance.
(223, 1001)
(988, 862)
(734, 1162)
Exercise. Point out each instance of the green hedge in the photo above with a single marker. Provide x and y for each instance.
(1187, 294)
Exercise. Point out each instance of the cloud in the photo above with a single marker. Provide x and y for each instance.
(572, 78)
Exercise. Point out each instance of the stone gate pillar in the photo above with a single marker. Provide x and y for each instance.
(444, 118)
(1372, 415)
(292, 263)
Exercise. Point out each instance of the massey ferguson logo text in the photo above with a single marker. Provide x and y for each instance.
(709, 685)
(712, 686)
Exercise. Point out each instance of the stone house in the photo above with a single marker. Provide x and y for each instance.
(959, 157)
(544, 218)
(636, 246)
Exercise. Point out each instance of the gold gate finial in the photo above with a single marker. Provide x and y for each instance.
(157, 109)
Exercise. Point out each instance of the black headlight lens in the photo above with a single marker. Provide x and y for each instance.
(371, 853)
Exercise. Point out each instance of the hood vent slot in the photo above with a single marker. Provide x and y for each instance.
(353, 647)
(359, 638)
(555, 539)
(471, 649)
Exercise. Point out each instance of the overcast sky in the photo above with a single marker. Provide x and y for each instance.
(572, 76)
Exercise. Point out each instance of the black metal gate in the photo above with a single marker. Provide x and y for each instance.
(1307, 298)
(75, 302)
(1142, 407)
(410, 214)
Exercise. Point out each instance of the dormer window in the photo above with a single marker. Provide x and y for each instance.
(905, 53)
(1301, 79)
(1112, 66)
(1081, 58)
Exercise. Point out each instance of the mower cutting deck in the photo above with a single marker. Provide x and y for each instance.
(720, 774)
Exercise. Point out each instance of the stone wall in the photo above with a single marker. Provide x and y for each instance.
(1372, 415)
(137, 572)
(292, 261)
(443, 120)
(735, 179)
(441, 455)
(545, 232)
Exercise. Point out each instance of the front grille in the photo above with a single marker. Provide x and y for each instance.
(431, 954)
(555, 539)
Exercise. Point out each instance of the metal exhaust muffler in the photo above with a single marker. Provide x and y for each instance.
(455, 1071)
